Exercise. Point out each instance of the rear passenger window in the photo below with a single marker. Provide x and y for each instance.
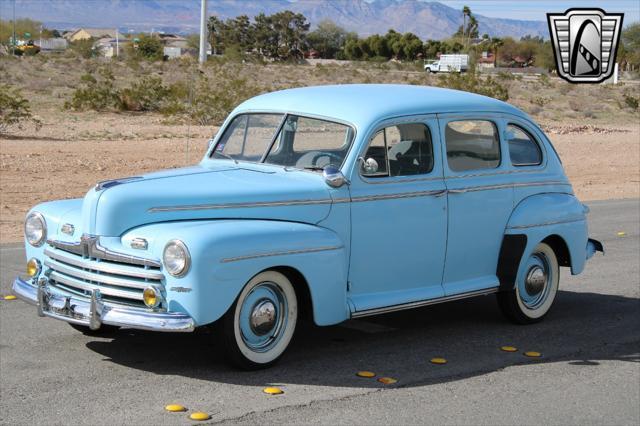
(523, 149)
(401, 150)
(472, 145)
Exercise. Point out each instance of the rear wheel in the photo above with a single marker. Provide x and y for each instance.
(258, 328)
(535, 291)
(104, 330)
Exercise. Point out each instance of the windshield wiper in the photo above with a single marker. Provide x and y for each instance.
(225, 155)
(314, 168)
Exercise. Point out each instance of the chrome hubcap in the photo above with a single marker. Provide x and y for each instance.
(534, 288)
(263, 317)
(535, 281)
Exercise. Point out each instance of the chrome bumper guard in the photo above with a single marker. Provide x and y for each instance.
(94, 312)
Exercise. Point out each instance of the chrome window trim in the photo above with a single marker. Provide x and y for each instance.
(385, 178)
(104, 267)
(279, 253)
(533, 139)
(421, 303)
(89, 246)
(285, 114)
(493, 119)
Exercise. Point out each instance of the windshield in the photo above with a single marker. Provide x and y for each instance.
(301, 142)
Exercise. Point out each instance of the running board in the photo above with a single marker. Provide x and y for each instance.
(421, 303)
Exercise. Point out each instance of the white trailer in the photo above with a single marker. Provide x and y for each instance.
(448, 63)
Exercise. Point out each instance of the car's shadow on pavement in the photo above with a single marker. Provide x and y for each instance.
(581, 330)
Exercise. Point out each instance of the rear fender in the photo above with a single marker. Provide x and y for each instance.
(549, 217)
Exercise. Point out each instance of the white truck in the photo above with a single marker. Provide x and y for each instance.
(448, 63)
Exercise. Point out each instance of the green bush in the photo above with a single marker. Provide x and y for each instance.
(15, 110)
(631, 101)
(472, 82)
(147, 94)
(97, 94)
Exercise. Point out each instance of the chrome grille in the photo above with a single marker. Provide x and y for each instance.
(118, 281)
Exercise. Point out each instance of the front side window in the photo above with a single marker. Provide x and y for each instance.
(523, 149)
(247, 137)
(400, 150)
(310, 143)
(472, 145)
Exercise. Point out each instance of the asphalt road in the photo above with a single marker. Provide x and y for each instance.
(589, 372)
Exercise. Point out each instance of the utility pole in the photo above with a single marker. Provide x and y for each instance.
(117, 44)
(203, 32)
(13, 45)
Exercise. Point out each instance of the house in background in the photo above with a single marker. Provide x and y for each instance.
(88, 33)
(487, 60)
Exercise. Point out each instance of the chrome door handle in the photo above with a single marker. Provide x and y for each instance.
(457, 191)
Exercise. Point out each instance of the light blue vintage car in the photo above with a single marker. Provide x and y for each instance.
(335, 202)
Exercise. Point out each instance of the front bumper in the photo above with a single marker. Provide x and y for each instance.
(95, 312)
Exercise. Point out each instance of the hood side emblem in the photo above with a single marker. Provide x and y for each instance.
(139, 243)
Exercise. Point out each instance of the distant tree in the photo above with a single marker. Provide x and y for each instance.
(496, 43)
(149, 47)
(629, 52)
(328, 39)
(83, 48)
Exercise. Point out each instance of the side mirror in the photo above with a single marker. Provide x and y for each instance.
(333, 177)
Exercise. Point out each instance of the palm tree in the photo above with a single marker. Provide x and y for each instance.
(466, 11)
(496, 42)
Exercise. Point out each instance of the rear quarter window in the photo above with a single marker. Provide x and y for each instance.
(524, 150)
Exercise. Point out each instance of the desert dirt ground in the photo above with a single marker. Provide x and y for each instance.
(596, 137)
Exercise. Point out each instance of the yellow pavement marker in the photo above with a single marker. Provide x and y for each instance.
(509, 349)
(387, 380)
(273, 390)
(174, 408)
(10, 297)
(199, 415)
(621, 234)
(438, 361)
(367, 374)
(533, 354)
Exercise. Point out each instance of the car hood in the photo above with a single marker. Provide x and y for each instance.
(236, 191)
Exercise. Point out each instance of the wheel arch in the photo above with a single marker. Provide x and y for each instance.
(301, 286)
(560, 248)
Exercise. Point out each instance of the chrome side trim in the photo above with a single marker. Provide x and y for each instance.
(557, 222)
(421, 303)
(239, 205)
(280, 253)
(506, 185)
(104, 267)
(89, 246)
(113, 182)
(415, 194)
(90, 276)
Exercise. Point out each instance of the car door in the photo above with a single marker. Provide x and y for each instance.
(398, 216)
(480, 200)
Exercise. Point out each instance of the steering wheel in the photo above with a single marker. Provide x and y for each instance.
(315, 156)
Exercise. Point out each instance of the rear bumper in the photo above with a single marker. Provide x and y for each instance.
(94, 312)
(593, 246)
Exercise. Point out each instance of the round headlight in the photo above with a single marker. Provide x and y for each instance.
(176, 258)
(35, 229)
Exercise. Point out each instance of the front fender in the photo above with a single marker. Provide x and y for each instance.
(225, 255)
(544, 215)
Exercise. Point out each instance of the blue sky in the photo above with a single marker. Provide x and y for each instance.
(536, 10)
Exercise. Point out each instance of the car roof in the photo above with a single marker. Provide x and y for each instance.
(363, 104)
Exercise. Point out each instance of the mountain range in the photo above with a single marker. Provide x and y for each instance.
(428, 20)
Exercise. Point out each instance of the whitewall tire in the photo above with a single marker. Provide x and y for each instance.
(258, 328)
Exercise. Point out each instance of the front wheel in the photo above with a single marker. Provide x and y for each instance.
(535, 289)
(258, 328)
